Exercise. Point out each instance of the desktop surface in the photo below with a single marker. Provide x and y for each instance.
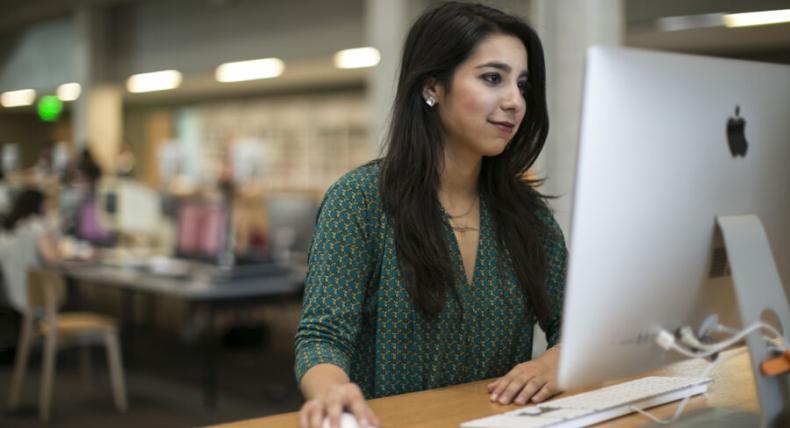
(733, 388)
(205, 285)
(141, 260)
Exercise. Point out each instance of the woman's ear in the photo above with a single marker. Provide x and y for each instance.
(431, 92)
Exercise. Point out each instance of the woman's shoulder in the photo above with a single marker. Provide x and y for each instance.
(554, 234)
(361, 183)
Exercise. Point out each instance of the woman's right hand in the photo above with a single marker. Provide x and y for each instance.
(332, 403)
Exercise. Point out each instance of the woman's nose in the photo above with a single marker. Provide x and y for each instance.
(513, 99)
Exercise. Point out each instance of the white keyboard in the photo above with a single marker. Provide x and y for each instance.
(597, 406)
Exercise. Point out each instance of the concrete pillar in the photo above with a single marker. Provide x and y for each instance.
(105, 122)
(97, 113)
(568, 28)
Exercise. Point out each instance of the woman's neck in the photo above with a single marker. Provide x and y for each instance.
(458, 178)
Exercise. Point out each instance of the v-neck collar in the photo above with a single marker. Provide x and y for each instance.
(458, 259)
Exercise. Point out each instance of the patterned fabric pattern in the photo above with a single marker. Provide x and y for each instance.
(358, 316)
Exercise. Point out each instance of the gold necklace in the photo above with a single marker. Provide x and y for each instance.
(461, 229)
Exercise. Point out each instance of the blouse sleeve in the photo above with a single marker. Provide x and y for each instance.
(557, 256)
(339, 266)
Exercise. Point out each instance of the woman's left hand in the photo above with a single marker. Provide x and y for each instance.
(535, 380)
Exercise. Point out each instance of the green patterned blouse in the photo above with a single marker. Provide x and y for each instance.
(358, 316)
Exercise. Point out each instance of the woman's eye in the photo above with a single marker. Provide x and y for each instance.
(523, 85)
(492, 78)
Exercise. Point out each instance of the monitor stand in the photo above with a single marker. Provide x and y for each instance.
(758, 291)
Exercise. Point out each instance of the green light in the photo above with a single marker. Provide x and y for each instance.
(49, 108)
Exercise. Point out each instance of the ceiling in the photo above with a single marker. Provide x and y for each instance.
(768, 42)
(15, 14)
(641, 18)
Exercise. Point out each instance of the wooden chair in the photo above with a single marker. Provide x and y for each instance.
(46, 291)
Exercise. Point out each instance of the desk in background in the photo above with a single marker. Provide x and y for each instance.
(448, 407)
(201, 291)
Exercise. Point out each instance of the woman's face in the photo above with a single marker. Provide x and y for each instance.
(484, 106)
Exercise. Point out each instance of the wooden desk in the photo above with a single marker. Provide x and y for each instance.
(447, 407)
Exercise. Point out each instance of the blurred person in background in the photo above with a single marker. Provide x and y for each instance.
(431, 266)
(9, 317)
(125, 161)
(5, 194)
(87, 170)
(44, 166)
(29, 239)
(78, 202)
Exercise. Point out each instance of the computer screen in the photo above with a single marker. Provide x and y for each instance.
(291, 219)
(129, 207)
(668, 142)
(201, 226)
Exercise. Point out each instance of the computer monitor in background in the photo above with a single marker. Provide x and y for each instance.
(201, 229)
(129, 207)
(668, 142)
(291, 219)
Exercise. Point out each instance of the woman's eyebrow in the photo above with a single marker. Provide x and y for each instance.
(501, 66)
(495, 64)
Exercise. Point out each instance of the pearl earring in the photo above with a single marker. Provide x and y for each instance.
(430, 101)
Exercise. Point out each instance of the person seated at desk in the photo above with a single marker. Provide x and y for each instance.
(79, 203)
(430, 267)
(29, 240)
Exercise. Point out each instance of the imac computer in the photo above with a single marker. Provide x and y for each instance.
(669, 145)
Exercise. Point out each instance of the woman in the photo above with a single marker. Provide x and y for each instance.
(430, 266)
(28, 241)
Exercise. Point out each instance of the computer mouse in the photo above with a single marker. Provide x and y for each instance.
(347, 420)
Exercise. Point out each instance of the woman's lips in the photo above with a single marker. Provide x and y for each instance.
(506, 127)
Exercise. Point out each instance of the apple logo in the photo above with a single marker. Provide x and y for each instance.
(735, 135)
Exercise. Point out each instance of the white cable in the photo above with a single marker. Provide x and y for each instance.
(771, 329)
(667, 341)
(724, 329)
(687, 337)
(777, 346)
(682, 405)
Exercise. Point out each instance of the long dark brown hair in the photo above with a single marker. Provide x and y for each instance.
(437, 43)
